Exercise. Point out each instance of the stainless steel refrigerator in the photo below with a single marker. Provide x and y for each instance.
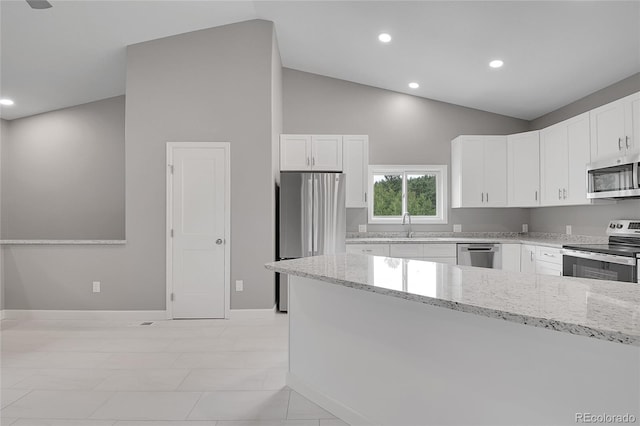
(312, 219)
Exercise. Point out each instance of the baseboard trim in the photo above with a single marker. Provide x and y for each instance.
(252, 313)
(37, 314)
(336, 408)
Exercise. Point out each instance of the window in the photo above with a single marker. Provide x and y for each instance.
(420, 191)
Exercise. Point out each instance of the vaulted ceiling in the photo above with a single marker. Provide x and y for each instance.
(555, 52)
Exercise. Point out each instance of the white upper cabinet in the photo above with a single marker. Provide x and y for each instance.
(523, 169)
(355, 161)
(295, 152)
(326, 153)
(310, 152)
(564, 155)
(479, 171)
(615, 128)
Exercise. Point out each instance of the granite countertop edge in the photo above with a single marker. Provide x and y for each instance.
(548, 240)
(63, 242)
(548, 323)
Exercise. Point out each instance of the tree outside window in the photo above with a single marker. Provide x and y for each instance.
(418, 190)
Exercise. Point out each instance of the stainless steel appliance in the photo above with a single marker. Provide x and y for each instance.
(615, 178)
(312, 219)
(480, 255)
(619, 260)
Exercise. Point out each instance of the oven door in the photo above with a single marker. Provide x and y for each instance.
(599, 266)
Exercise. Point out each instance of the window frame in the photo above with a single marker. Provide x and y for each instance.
(439, 170)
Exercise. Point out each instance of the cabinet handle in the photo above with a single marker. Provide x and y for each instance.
(626, 141)
(365, 197)
(487, 197)
(536, 195)
(482, 196)
(559, 194)
(619, 144)
(564, 194)
(313, 161)
(307, 161)
(531, 253)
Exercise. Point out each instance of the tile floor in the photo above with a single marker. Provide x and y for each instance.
(170, 373)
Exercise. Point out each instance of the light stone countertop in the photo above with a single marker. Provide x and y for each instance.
(62, 242)
(540, 239)
(607, 310)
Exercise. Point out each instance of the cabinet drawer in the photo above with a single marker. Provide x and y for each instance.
(439, 250)
(372, 249)
(405, 250)
(550, 255)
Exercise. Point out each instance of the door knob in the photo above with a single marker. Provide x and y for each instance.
(219, 241)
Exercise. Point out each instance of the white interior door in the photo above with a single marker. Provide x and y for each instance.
(198, 230)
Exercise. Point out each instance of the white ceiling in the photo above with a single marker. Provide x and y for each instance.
(555, 52)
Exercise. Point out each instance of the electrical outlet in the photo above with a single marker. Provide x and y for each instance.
(362, 228)
(525, 227)
(457, 228)
(96, 286)
(239, 285)
(568, 230)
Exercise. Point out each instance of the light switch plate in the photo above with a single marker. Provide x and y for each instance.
(568, 230)
(96, 286)
(525, 227)
(362, 228)
(239, 285)
(457, 228)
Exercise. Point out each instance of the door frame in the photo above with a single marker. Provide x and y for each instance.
(226, 146)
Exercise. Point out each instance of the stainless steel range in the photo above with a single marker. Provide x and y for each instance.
(617, 261)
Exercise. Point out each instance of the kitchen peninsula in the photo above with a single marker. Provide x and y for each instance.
(387, 341)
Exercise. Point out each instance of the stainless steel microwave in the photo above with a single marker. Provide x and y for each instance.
(615, 178)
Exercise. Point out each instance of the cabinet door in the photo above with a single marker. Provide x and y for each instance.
(528, 259)
(632, 123)
(295, 152)
(579, 155)
(608, 130)
(553, 164)
(523, 169)
(470, 153)
(355, 161)
(510, 257)
(495, 171)
(326, 153)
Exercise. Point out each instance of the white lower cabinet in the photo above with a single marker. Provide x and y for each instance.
(528, 259)
(441, 253)
(510, 257)
(548, 261)
(372, 249)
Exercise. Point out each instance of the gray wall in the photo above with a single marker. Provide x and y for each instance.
(402, 129)
(63, 174)
(209, 85)
(586, 220)
(4, 128)
(609, 94)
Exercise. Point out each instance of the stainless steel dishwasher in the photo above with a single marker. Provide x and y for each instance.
(480, 255)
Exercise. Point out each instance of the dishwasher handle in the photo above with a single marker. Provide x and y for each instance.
(469, 247)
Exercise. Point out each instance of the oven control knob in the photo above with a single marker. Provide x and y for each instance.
(619, 226)
(612, 225)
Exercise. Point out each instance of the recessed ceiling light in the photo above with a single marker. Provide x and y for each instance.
(384, 37)
(496, 63)
(6, 102)
(414, 85)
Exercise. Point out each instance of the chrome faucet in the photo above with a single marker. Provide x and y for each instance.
(404, 216)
